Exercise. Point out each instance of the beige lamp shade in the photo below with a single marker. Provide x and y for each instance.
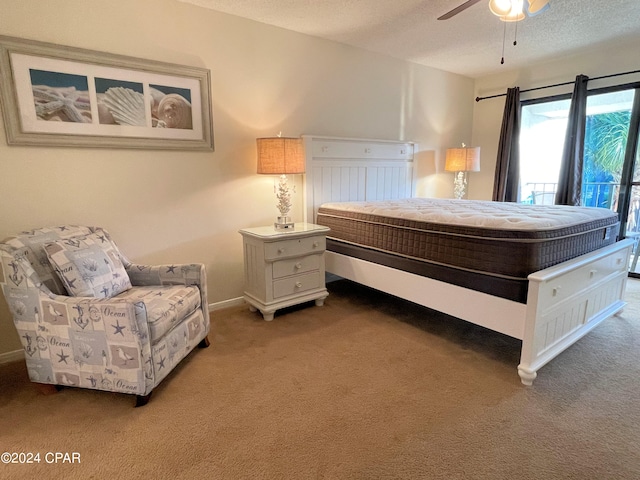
(466, 159)
(280, 155)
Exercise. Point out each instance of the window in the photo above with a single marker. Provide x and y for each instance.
(542, 131)
(611, 168)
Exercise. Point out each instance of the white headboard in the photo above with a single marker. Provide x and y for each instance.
(355, 169)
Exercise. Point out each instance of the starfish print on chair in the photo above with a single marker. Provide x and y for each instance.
(62, 357)
(119, 328)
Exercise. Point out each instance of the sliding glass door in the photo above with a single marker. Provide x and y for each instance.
(611, 168)
(630, 186)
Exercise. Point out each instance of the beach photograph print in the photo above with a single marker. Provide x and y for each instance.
(171, 107)
(120, 102)
(57, 95)
(60, 97)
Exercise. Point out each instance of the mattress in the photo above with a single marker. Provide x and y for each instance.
(487, 246)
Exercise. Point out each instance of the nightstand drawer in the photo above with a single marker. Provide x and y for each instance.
(297, 284)
(294, 266)
(294, 247)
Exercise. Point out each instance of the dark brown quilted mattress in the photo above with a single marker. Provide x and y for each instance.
(491, 241)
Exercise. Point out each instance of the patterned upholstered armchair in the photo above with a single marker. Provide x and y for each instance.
(88, 317)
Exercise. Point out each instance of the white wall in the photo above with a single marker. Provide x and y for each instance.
(169, 207)
(487, 114)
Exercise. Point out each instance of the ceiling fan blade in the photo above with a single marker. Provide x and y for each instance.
(458, 9)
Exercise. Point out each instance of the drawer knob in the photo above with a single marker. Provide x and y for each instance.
(281, 250)
(592, 273)
(555, 291)
(298, 266)
(315, 244)
(298, 285)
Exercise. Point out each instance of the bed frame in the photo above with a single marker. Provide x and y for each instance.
(564, 302)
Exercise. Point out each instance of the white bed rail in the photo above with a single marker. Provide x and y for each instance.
(498, 314)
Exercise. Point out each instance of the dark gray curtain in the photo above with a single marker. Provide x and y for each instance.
(570, 180)
(506, 182)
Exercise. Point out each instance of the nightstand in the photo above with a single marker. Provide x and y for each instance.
(284, 267)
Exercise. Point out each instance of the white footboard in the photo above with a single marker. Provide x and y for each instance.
(568, 300)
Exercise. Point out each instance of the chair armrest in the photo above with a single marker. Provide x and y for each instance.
(180, 274)
(176, 274)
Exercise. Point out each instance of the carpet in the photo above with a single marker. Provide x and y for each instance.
(366, 387)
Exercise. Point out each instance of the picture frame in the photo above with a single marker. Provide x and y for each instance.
(53, 95)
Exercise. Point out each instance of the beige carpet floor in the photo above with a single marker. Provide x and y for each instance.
(366, 387)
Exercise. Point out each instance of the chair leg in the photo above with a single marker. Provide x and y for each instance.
(142, 400)
(204, 343)
(48, 388)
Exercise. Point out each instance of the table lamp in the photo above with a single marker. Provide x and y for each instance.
(461, 161)
(281, 156)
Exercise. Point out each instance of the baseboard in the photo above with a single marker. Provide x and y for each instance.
(232, 302)
(9, 357)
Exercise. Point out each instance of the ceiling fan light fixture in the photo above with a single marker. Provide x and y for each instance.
(537, 6)
(516, 13)
(500, 8)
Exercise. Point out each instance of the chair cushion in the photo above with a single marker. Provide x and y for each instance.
(30, 244)
(166, 306)
(89, 266)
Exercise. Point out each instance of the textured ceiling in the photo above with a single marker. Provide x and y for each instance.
(469, 43)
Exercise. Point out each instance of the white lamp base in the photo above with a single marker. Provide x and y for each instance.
(460, 185)
(283, 194)
(284, 223)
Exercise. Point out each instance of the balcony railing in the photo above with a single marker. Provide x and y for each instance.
(594, 194)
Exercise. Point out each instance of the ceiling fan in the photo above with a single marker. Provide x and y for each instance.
(507, 10)
(458, 9)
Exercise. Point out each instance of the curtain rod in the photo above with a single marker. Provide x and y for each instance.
(558, 85)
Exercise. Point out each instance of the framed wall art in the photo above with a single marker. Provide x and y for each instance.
(54, 95)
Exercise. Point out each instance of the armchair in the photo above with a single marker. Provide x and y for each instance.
(117, 334)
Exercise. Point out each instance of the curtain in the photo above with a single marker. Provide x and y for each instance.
(506, 182)
(570, 179)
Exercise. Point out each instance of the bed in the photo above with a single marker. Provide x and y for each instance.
(569, 276)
